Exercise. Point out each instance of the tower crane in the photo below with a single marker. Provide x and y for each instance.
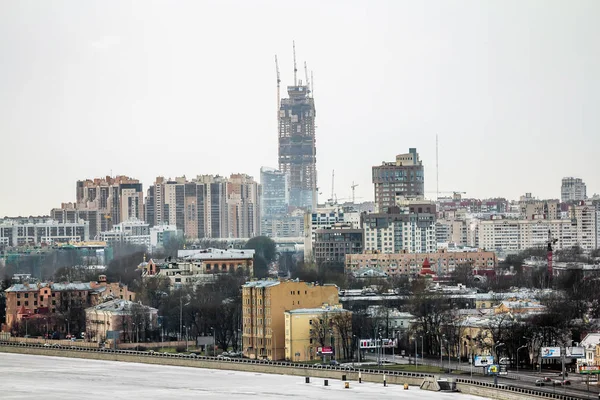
(353, 186)
(278, 85)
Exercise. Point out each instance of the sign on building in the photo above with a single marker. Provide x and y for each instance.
(325, 350)
(575, 352)
(550, 352)
(483, 361)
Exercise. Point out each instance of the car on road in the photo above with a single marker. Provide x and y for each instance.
(540, 382)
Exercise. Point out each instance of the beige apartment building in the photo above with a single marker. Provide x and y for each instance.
(264, 303)
(442, 262)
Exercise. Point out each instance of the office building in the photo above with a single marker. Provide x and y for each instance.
(332, 244)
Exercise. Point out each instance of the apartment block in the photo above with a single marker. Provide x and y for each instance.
(264, 304)
(442, 262)
(47, 299)
(21, 232)
(411, 228)
(404, 177)
(116, 199)
(132, 231)
(584, 214)
(512, 236)
(326, 217)
(572, 189)
(331, 245)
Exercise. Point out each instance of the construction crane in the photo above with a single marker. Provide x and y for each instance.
(332, 185)
(278, 85)
(353, 186)
(306, 75)
(295, 69)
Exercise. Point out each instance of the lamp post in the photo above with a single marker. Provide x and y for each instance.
(441, 351)
(522, 347)
(422, 350)
(416, 355)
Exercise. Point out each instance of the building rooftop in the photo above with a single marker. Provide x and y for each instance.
(58, 287)
(118, 306)
(261, 284)
(317, 310)
(218, 254)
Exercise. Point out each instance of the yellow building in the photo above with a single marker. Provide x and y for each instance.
(308, 329)
(263, 305)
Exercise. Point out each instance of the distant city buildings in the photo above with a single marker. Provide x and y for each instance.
(35, 232)
(403, 177)
(207, 206)
(132, 231)
(572, 189)
(332, 244)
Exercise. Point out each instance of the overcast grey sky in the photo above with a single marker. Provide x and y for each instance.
(175, 88)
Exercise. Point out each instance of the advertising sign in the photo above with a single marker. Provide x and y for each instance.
(575, 352)
(594, 369)
(373, 344)
(493, 369)
(483, 361)
(503, 370)
(325, 350)
(550, 352)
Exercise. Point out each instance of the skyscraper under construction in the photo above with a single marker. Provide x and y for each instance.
(297, 150)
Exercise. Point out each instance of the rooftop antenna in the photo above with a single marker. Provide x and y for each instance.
(278, 85)
(295, 69)
(437, 170)
(312, 85)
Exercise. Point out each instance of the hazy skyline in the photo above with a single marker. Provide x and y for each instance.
(146, 88)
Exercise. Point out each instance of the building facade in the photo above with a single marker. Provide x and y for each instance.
(50, 299)
(308, 329)
(572, 189)
(132, 320)
(331, 245)
(442, 262)
(132, 231)
(263, 306)
(404, 177)
(198, 266)
(15, 232)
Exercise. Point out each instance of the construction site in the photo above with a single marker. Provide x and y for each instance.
(297, 144)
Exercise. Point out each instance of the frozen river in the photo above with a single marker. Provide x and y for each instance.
(30, 377)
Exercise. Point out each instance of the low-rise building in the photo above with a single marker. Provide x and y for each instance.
(196, 266)
(24, 300)
(263, 305)
(309, 329)
(127, 319)
(132, 231)
(442, 262)
(23, 232)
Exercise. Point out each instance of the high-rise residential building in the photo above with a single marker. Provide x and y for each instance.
(243, 206)
(263, 306)
(403, 177)
(68, 213)
(115, 199)
(572, 189)
(297, 145)
(207, 206)
(584, 215)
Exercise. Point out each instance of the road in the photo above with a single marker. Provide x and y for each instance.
(524, 378)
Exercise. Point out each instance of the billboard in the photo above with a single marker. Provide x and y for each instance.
(325, 350)
(373, 344)
(493, 369)
(594, 369)
(483, 361)
(575, 352)
(550, 352)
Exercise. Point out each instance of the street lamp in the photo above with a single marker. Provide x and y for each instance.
(496, 349)
(522, 347)
(422, 350)
(441, 351)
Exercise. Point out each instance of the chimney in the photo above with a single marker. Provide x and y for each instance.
(102, 280)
